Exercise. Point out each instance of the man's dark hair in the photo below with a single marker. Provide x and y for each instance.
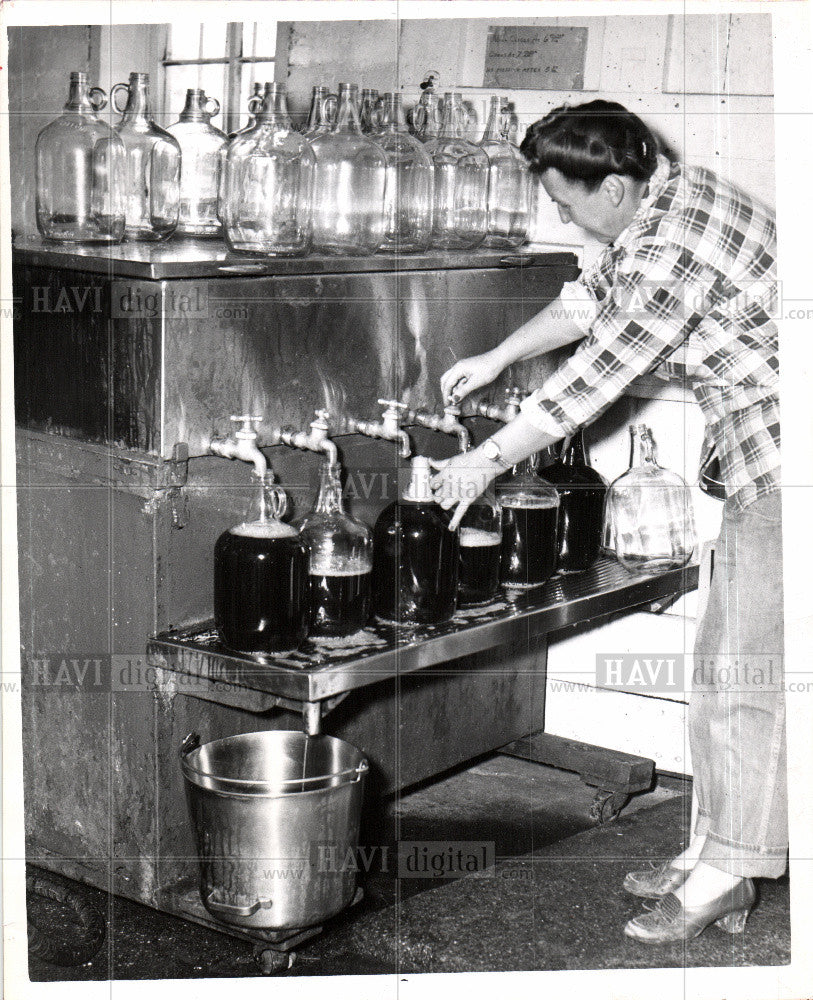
(590, 141)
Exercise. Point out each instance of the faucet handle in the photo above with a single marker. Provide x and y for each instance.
(452, 410)
(393, 404)
(514, 395)
(249, 423)
(321, 419)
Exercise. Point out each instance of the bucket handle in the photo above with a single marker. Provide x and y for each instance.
(190, 742)
(233, 910)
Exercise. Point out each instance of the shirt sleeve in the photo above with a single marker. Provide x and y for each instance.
(659, 296)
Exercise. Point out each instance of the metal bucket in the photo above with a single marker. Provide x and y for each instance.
(276, 820)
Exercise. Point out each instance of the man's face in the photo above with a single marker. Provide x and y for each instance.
(595, 211)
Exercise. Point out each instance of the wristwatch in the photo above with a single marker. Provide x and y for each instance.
(493, 452)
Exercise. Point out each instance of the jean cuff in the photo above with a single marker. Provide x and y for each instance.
(744, 860)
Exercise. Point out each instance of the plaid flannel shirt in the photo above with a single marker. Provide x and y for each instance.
(687, 291)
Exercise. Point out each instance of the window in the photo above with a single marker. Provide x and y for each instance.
(225, 60)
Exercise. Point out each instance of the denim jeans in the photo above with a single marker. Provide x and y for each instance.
(737, 705)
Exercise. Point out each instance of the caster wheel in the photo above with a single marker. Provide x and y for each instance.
(271, 961)
(606, 806)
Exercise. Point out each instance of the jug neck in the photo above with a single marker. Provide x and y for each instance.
(275, 106)
(347, 115)
(78, 95)
(194, 109)
(393, 118)
(138, 99)
(450, 125)
(329, 499)
(493, 132)
(642, 446)
(318, 117)
(574, 453)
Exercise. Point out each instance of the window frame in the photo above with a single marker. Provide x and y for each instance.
(233, 60)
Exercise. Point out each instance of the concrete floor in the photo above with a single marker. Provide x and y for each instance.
(553, 900)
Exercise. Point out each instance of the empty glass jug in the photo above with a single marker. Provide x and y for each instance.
(408, 199)
(268, 184)
(509, 185)
(322, 115)
(649, 512)
(80, 172)
(348, 194)
(202, 147)
(153, 166)
(460, 204)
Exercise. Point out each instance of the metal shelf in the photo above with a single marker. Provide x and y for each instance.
(198, 258)
(321, 670)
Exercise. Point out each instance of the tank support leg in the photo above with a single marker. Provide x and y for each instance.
(312, 717)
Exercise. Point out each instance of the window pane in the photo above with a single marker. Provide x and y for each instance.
(259, 39)
(180, 78)
(197, 41)
(262, 72)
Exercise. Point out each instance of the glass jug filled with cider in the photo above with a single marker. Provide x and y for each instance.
(530, 515)
(341, 561)
(261, 580)
(415, 556)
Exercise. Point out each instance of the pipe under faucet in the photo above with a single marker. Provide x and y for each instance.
(242, 445)
(503, 413)
(387, 429)
(315, 439)
(449, 423)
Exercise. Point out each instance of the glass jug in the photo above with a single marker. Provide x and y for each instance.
(153, 166)
(416, 558)
(80, 172)
(426, 116)
(202, 148)
(369, 111)
(530, 515)
(649, 512)
(261, 580)
(460, 203)
(480, 540)
(348, 199)
(408, 199)
(268, 184)
(509, 185)
(322, 115)
(255, 104)
(581, 506)
(341, 561)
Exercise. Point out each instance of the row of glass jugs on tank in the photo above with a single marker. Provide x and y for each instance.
(270, 190)
(276, 584)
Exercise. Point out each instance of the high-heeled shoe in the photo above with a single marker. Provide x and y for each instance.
(656, 881)
(669, 920)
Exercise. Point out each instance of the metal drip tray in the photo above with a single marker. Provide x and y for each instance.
(321, 670)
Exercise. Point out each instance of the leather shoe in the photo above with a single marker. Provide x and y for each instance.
(655, 881)
(669, 920)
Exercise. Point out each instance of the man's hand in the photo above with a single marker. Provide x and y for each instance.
(460, 480)
(469, 374)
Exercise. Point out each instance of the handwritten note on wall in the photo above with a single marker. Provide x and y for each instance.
(535, 58)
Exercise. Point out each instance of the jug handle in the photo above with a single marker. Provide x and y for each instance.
(331, 106)
(229, 909)
(215, 107)
(101, 101)
(190, 742)
(115, 90)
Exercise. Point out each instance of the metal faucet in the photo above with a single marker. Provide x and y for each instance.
(506, 413)
(388, 428)
(449, 423)
(316, 439)
(242, 444)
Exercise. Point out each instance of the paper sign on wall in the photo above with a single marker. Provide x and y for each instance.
(535, 58)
